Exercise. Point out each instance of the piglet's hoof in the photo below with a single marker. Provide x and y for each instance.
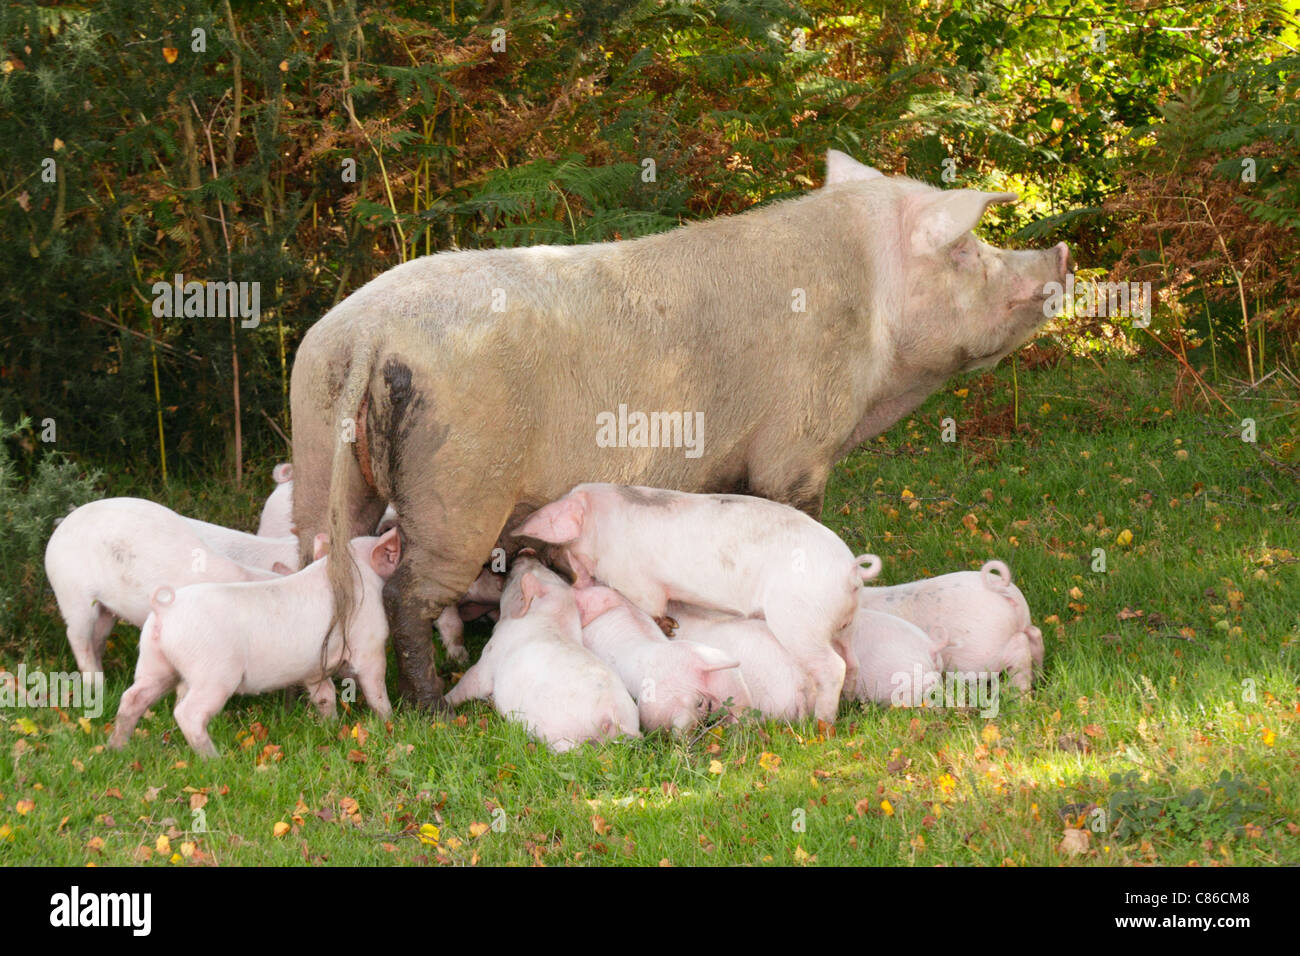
(666, 624)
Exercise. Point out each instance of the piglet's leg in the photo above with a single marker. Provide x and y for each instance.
(193, 713)
(153, 679)
(451, 632)
(370, 675)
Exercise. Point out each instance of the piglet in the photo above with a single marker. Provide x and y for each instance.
(106, 558)
(734, 553)
(273, 554)
(481, 598)
(675, 683)
(890, 654)
(982, 617)
(226, 639)
(778, 687)
(537, 672)
(277, 513)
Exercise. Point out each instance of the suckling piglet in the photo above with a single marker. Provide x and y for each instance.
(897, 662)
(226, 639)
(733, 553)
(675, 683)
(983, 619)
(778, 687)
(536, 670)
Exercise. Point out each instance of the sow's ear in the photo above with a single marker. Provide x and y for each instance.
(320, 546)
(560, 522)
(843, 168)
(386, 554)
(949, 216)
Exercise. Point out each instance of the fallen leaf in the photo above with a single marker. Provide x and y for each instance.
(1074, 842)
(170, 53)
(280, 829)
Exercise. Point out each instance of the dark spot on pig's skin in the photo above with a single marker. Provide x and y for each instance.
(392, 424)
(653, 498)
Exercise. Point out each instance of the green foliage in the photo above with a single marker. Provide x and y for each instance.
(28, 512)
(1140, 810)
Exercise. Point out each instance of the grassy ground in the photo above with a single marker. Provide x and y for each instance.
(1166, 721)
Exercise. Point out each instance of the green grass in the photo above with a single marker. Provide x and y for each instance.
(1175, 670)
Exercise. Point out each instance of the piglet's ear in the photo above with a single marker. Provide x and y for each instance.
(531, 588)
(386, 555)
(713, 659)
(560, 522)
(320, 546)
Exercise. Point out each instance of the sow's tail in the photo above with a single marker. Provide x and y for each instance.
(872, 569)
(346, 486)
(1000, 582)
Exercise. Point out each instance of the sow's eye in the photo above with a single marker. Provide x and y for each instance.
(965, 253)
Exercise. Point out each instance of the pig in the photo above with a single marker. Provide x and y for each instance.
(226, 639)
(537, 671)
(675, 683)
(481, 598)
(983, 619)
(470, 388)
(889, 651)
(275, 554)
(733, 553)
(778, 687)
(277, 513)
(106, 558)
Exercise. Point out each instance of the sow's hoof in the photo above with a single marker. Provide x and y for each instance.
(667, 625)
(427, 695)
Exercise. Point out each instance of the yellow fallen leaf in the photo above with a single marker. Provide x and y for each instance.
(990, 734)
(24, 725)
(1268, 736)
(1124, 538)
(768, 761)
(906, 493)
(84, 724)
(887, 807)
(175, 858)
(6, 833)
(162, 844)
(715, 766)
(280, 829)
(170, 53)
(477, 829)
(187, 850)
(429, 834)
(25, 807)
